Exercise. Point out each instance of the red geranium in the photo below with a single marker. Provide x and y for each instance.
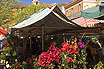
(69, 59)
(52, 55)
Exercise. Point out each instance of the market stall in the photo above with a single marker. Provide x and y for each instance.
(43, 23)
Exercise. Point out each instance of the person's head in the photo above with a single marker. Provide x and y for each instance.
(0, 40)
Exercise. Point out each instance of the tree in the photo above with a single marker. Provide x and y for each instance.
(9, 15)
(6, 11)
(26, 12)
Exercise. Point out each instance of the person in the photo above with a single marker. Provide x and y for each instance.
(1, 46)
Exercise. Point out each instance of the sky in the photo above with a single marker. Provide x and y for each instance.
(27, 2)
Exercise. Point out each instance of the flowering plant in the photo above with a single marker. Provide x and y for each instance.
(50, 58)
(69, 55)
(100, 65)
(24, 64)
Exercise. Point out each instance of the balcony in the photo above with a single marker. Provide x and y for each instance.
(74, 15)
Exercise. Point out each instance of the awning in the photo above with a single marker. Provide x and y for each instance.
(2, 32)
(49, 19)
(84, 22)
(95, 12)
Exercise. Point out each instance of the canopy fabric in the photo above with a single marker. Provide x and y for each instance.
(34, 18)
(94, 12)
(84, 22)
(49, 19)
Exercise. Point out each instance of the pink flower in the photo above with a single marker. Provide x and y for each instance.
(63, 49)
(63, 44)
(16, 65)
(70, 51)
(47, 65)
(27, 60)
(76, 52)
(57, 60)
(39, 63)
(53, 54)
(30, 61)
(69, 59)
(43, 65)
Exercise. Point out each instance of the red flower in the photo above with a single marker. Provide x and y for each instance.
(72, 55)
(53, 54)
(32, 58)
(70, 51)
(57, 60)
(69, 59)
(6, 44)
(27, 60)
(16, 65)
(10, 65)
(49, 66)
(30, 61)
(63, 49)
(78, 49)
(43, 65)
(63, 59)
(76, 52)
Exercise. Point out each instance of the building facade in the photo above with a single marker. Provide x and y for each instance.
(35, 2)
(72, 9)
(60, 6)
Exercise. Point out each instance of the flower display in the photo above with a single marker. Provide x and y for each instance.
(81, 44)
(51, 56)
(70, 55)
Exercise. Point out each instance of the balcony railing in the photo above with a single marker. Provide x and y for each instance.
(74, 15)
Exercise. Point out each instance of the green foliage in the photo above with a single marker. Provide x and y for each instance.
(4, 53)
(35, 61)
(26, 12)
(100, 65)
(6, 12)
(82, 59)
(10, 16)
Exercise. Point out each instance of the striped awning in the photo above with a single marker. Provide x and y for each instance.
(84, 22)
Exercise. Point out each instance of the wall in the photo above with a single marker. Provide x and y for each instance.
(87, 5)
(91, 3)
(74, 9)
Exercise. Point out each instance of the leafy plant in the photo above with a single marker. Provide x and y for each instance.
(100, 65)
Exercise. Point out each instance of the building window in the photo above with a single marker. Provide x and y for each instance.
(36, 3)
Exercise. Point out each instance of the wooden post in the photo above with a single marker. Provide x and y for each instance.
(30, 46)
(42, 35)
(63, 37)
(23, 45)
